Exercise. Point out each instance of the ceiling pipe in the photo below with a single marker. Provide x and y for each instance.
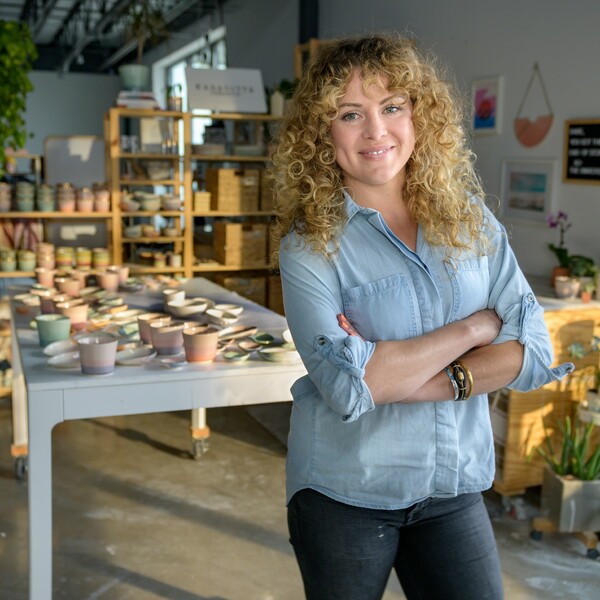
(36, 28)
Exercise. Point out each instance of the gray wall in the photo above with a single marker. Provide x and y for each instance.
(481, 38)
(70, 104)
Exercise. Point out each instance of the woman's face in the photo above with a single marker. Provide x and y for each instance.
(373, 135)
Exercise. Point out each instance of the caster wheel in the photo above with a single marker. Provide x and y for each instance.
(592, 553)
(536, 535)
(199, 448)
(21, 466)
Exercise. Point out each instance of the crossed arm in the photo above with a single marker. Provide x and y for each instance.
(421, 360)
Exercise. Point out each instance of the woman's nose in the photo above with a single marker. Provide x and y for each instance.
(375, 127)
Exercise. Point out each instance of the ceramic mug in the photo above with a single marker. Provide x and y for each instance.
(108, 280)
(166, 337)
(97, 353)
(52, 328)
(45, 276)
(200, 343)
(77, 311)
(144, 324)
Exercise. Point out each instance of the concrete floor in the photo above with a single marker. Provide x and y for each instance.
(136, 518)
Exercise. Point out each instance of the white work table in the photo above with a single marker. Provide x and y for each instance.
(57, 395)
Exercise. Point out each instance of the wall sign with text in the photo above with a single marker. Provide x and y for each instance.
(581, 162)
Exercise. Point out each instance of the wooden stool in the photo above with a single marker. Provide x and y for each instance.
(589, 538)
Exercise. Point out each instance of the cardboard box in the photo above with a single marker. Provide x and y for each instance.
(240, 244)
(253, 288)
(233, 190)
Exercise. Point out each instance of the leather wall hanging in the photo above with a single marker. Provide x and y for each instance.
(531, 133)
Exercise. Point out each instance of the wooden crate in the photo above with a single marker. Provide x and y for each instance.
(253, 288)
(201, 201)
(240, 244)
(275, 301)
(235, 190)
(266, 193)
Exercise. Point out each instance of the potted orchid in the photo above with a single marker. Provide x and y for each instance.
(560, 221)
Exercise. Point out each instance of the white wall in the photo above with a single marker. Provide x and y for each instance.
(70, 104)
(480, 38)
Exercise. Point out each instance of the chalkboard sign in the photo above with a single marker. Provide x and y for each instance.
(582, 151)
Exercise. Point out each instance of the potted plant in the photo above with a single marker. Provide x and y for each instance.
(18, 53)
(144, 21)
(571, 484)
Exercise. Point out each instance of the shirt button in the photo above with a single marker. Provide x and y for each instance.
(530, 297)
(321, 341)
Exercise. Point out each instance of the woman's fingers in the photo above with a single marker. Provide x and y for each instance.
(347, 326)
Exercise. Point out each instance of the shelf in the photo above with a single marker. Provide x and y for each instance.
(7, 274)
(148, 112)
(147, 270)
(37, 214)
(148, 156)
(128, 182)
(223, 213)
(153, 213)
(237, 116)
(229, 158)
(152, 240)
(214, 267)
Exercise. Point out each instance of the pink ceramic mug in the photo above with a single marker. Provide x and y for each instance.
(144, 324)
(97, 353)
(200, 343)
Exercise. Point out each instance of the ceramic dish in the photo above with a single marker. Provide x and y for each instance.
(132, 285)
(188, 307)
(135, 356)
(279, 354)
(237, 331)
(286, 336)
(220, 317)
(60, 347)
(263, 339)
(86, 291)
(234, 356)
(248, 345)
(173, 362)
(234, 309)
(66, 360)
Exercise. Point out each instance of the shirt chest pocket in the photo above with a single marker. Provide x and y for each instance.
(470, 280)
(385, 309)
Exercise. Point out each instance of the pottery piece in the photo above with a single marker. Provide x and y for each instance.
(52, 328)
(166, 337)
(76, 311)
(187, 307)
(135, 356)
(68, 285)
(108, 280)
(566, 287)
(65, 360)
(200, 344)
(171, 295)
(97, 353)
(234, 309)
(144, 324)
(279, 354)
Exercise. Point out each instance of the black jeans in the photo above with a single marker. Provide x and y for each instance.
(441, 549)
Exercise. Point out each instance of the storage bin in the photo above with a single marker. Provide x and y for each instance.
(253, 288)
(201, 201)
(234, 190)
(240, 244)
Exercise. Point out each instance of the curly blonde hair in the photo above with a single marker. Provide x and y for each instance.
(440, 176)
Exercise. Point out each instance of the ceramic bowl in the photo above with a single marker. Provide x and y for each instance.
(234, 309)
(135, 356)
(188, 307)
(132, 231)
(279, 354)
(170, 295)
(220, 317)
(144, 321)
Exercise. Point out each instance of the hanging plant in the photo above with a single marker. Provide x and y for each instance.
(17, 53)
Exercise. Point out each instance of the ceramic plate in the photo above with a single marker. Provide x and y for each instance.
(279, 354)
(173, 362)
(263, 339)
(60, 347)
(234, 356)
(66, 360)
(287, 336)
(135, 356)
(237, 331)
(220, 317)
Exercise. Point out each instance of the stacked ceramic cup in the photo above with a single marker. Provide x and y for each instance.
(45, 198)
(65, 197)
(85, 200)
(5, 197)
(45, 256)
(24, 196)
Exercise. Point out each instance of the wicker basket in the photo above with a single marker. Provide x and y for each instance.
(241, 244)
(234, 190)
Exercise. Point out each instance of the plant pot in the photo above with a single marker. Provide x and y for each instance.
(135, 77)
(571, 504)
(558, 272)
(566, 287)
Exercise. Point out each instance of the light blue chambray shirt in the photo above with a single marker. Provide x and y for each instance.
(393, 455)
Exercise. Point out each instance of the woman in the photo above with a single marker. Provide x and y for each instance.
(407, 306)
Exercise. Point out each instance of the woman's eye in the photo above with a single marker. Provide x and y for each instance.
(351, 116)
(392, 108)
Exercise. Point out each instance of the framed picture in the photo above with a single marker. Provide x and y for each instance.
(527, 189)
(486, 96)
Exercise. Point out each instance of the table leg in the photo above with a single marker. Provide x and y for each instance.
(19, 400)
(200, 433)
(45, 411)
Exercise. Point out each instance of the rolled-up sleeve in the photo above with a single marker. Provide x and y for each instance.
(335, 361)
(522, 317)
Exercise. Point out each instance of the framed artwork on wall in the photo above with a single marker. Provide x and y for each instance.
(486, 95)
(527, 189)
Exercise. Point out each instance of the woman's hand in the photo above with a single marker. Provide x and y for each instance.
(347, 326)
